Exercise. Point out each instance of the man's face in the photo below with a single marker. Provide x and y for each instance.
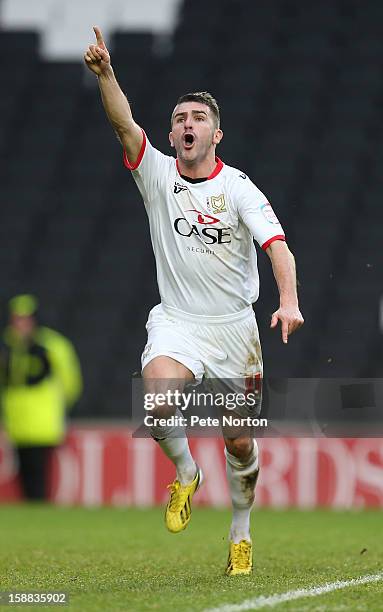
(23, 326)
(193, 132)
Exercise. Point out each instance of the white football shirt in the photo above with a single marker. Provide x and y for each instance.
(202, 233)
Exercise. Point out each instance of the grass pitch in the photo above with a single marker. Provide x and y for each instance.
(116, 559)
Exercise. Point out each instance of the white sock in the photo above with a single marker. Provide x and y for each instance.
(178, 451)
(242, 478)
(175, 445)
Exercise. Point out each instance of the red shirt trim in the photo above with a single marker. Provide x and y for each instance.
(134, 166)
(270, 240)
(216, 171)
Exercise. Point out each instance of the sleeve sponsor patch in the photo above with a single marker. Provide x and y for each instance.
(269, 214)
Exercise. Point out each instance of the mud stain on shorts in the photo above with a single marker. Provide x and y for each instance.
(254, 356)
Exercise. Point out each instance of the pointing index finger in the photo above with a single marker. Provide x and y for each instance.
(285, 332)
(99, 38)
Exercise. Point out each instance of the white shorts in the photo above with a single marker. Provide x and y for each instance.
(223, 347)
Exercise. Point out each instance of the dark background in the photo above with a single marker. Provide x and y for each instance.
(301, 93)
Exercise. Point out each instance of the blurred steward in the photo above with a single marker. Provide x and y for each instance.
(40, 380)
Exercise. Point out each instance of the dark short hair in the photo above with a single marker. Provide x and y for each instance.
(204, 97)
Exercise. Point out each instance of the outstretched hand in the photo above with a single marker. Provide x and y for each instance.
(97, 56)
(291, 319)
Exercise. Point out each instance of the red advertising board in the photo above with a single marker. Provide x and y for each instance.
(107, 466)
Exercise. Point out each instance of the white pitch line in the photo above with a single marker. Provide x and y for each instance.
(273, 600)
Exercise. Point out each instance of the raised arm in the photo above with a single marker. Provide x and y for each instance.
(288, 312)
(116, 105)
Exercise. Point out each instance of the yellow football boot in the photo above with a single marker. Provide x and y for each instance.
(240, 561)
(178, 510)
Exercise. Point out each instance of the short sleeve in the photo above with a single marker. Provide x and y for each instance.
(149, 169)
(258, 215)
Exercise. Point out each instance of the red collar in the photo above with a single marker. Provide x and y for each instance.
(216, 171)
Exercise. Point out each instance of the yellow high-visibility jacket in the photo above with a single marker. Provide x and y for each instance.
(40, 380)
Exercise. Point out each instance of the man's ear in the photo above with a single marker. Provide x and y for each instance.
(218, 135)
(171, 139)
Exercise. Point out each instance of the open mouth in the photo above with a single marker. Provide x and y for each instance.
(189, 141)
